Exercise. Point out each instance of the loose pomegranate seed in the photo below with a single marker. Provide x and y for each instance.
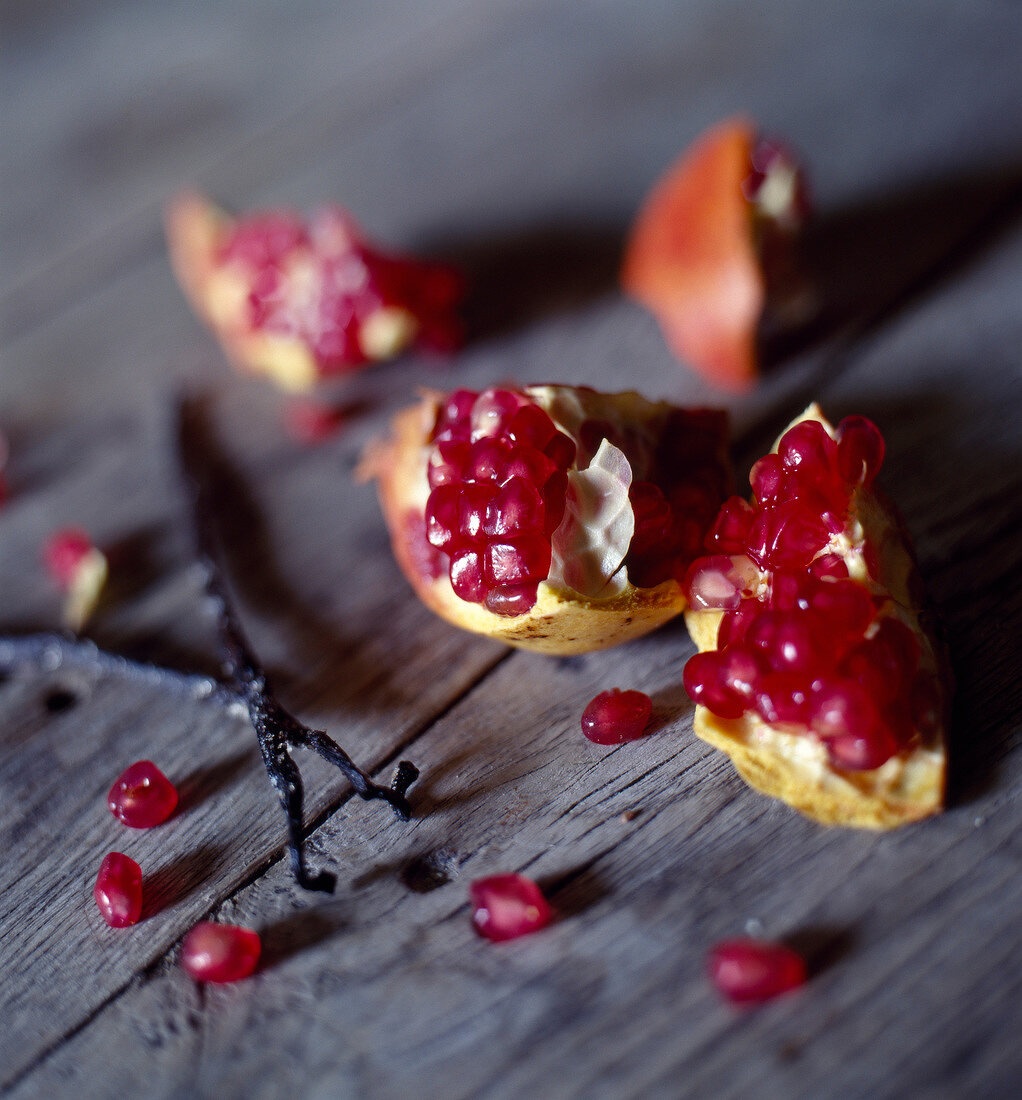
(118, 890)
(142, 796)
(63, 553)
(748, 971)
(508, 906)
(616, 716)
(220, 952)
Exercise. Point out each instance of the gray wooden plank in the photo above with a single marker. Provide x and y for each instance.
(914, 933)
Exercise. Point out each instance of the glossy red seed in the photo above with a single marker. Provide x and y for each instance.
(704, 683)
(766, 479)
(448, 461)
(711, 583)
(782, 698)
(560, 450)
(511, 600)
(118, 890)
(473, 504)
(492, 411)
(516, 510)
(505, 907)
(466, 573)
(142, 796)
(512, 563)
(442, 516)
(784, 639)
(616, 716)
(63, 552)
(735, 624)
(860, 450)
(843, 715)
(747, 971)
(220, 952)
(808, 449)
(528, 463)
(730, 532)
(457, 409)
(828, 565)
(531, 426)
(488, 458)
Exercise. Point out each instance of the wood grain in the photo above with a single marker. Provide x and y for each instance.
(517, 137)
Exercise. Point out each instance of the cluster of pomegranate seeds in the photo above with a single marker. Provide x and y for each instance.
(616, 716)
(498, 478)
(118, 890)
(677, 502)
(63, 553)
(505, 907)
(220, 952)
(142, 796)
(800, 643)
(747, 971)
(350, 304)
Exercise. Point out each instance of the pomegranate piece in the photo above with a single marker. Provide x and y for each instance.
(505, 907)
(747, 971)
(818, 639)
(299, 299)
(142, 796)
(118, 890)
(616, 716)
(80, 569)
(712, 251)
(553, 509)
(63, 553)
(220, 952)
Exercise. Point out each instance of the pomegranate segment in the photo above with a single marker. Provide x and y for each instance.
(505, 907)
(747, 971)
(220, 952)
(801, 644)
(614, 717)
(302, 298)
(118, 890)
(142, 796)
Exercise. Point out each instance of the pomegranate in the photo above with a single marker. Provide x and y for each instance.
(299, 299)
(80, 569)
(616, 716)
(712, 251)
(811, 646)
(748, 971)
(142, 796)
(220, 952)
(550, 517)
(505, 907)
(118, 890)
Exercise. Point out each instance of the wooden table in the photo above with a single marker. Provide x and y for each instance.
(518, 136)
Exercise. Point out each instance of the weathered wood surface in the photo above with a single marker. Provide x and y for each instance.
(518, 137)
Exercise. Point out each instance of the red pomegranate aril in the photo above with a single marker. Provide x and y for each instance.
(847, 606)
(466, 573)
(735, 624)
(704, 683)
(488, 458)
(842, 714)
(531, 426)
(885, 663)
(554, 501)
(730, 533)
(560, 450)
(856, 752)
(786, 537)
(860, 450)
(448, 461)
(512, 563)
(528, 463)
(118, 890)
(220, 952)
(784, 639)
(718, 582)
(491, 412)
(142, 796)
(782, 698)
(616, 716)
(828, 565)
(748, 971)
(766, 479)
(511, 600)
(517, 509)
(808, 448)
(505, 907)
(442, 515)
(64, 551)
(473, 503)
(457, 410)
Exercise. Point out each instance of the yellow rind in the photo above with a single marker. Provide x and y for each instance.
(794, 767)
(195, 229)
(562, 622)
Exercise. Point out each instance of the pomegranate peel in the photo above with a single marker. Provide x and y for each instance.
(710, 251)
(784, 759)
(583, 599)
(298, 299)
